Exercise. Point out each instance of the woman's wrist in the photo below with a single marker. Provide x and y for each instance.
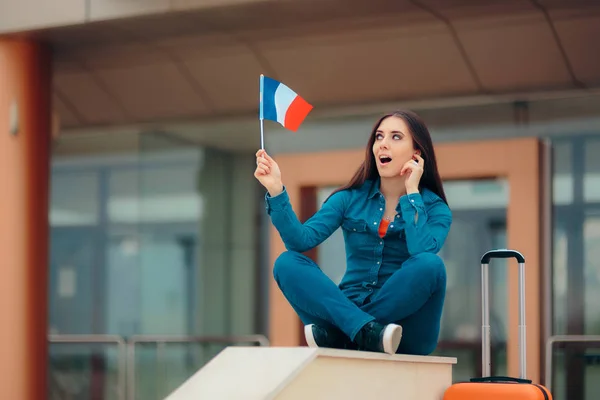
(411, 190)
(275, 190)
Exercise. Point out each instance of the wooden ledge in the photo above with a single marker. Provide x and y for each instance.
(290, 373)
(366, 355)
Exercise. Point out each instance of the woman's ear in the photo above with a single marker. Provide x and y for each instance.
(418, 152)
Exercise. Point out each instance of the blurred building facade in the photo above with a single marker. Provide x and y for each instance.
(137, 121)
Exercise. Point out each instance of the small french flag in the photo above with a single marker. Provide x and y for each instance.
(281, 104)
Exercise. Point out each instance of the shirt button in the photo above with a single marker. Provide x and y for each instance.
(377, 262)
(374, 282)
(380, 242)
(412, 201)
(381, 209)
(375, 223)
(391, 226)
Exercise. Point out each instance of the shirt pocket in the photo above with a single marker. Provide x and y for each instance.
(355, 231)
(354, 225)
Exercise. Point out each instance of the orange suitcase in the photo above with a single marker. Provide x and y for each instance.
(499, 387)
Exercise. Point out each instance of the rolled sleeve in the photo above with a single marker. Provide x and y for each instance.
(412, 203)
(277, 203)
(426, 226)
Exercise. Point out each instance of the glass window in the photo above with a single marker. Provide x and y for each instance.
(591, 179)
(562, 179)
(74, 198)
(576, 269)
(161, 240)
(591, 274)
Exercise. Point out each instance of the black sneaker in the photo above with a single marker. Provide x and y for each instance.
(317, 336)
(379, 338)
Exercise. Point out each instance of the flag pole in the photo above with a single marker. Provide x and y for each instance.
(261, 114)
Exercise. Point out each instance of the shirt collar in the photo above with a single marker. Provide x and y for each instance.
(376, 183)
(374, 190)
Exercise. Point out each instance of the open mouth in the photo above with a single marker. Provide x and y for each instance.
(384, 159)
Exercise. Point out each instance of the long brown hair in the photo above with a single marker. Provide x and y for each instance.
(422, 141)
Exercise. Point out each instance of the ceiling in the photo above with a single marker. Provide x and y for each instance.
(204, 65)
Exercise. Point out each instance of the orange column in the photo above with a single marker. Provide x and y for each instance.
(25, 94)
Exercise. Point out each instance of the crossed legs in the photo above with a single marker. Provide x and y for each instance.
(412, 297)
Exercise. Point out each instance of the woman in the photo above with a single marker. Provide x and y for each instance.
(395, 218)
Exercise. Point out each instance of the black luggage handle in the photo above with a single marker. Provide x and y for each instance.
(500, 379)
(502, 253)
(485, 308)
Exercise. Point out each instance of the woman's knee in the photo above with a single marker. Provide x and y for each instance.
(287, 265)
(431, 263)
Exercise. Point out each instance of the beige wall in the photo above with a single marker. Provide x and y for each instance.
(19, 15)
(23, 15)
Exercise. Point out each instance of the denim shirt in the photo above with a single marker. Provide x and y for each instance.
(421, 225)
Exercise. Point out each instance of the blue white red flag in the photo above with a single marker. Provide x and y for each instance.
(281, 104)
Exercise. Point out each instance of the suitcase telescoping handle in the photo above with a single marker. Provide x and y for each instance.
(485, 307)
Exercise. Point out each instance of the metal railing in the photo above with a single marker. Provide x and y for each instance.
(160, 342)
(552, 340)
(101, 339)
(126, 368)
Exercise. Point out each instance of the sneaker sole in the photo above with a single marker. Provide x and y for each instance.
(308, 335)
(392, 335)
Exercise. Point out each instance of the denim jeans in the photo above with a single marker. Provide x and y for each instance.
(413, 297)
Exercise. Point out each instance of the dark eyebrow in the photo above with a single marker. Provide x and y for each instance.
(380, 131)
